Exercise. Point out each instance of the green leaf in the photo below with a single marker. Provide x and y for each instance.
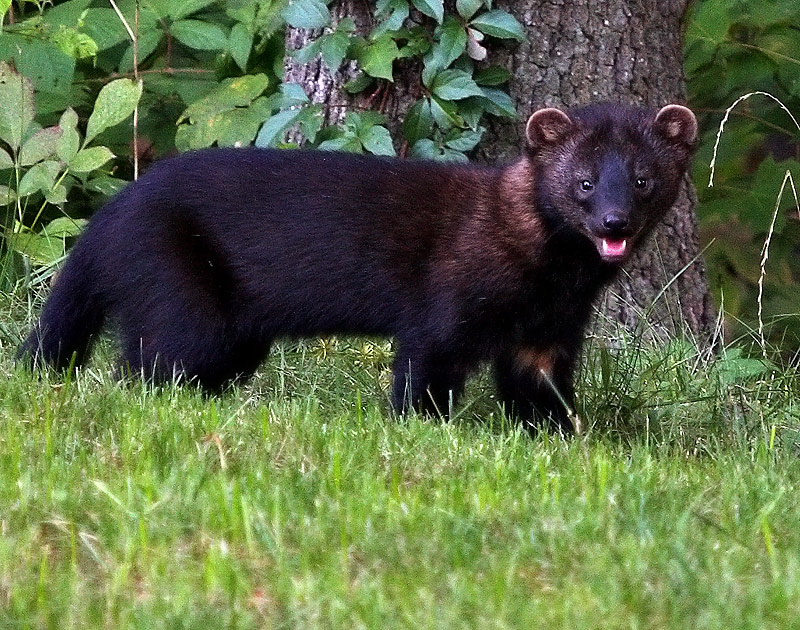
(239, 44)
(708, 20)
(88, 160)
(308, 52)
(451, 155)
(104, 27)
(74, 43)
(308, 118)
(47, 246)
(307, 14)
(382, 7)
(106, 185)
(292, 94)
(246, 12)
(40, 177)
(756, 208)
(417, 42)
(418, 122)
(465, 140)
(377, 57)
(5, 5)
(453, 85)
(497, 102)
(7, 195)
(191, 137)
(271, 132)
(56, 195)
(347, 25)
(734, 368)
(310, 121)
(394, 21)
(429, 150)
(225, 126)
(467, 8)
(149, 41)
(499, 24)
(240, 126)
(5, 160)
(377, 140)
(491, 76)
(68, 120)
(65, 13)
(115, 102)
(425, 149)
(17, 107)
(358, 83)
(199, 35)
(445, 114)
(40, 146)
(452, 42)
(183, 8)
(40, 61)
(362, 121)
(789, 75)
(70, 140)
(347, 142)
(334, 48)
(431, 8)
(64, 227)
(430, 68)
(230, 93)
(471, 111)
(41, 249)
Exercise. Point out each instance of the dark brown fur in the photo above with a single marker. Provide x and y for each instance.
(212, 255)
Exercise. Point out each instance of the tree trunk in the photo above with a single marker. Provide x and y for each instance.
(577, 52)
(580, 51)
(324, 87)
(319, 83)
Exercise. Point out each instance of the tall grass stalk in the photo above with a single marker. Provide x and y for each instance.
(787, 179)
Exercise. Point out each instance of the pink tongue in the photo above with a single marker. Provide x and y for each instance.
(614, 248)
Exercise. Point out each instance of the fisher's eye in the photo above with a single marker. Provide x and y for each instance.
(641, 183)
(587, 185)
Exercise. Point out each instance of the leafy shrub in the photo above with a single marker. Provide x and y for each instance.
(734, 47)
(44, 164)
(211, 75)
(455, 93)
(72, 54)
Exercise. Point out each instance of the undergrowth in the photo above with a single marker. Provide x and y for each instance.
(299, 500)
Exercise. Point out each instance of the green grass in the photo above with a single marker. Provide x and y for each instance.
(297, 501)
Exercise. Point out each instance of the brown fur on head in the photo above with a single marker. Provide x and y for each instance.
(547, 127)
(609, 172)
(550, 126)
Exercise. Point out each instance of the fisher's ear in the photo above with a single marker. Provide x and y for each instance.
(547, 127)
(676, 123)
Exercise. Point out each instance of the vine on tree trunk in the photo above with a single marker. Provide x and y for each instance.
(456, 88)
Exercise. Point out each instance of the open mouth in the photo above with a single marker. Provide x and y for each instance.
(612, 249)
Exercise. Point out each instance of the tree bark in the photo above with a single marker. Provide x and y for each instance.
(577, 52)
(327, 88)
(582, 51)
(320, 84)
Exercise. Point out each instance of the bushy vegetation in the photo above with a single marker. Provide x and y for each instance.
(209, 73)
(733, 48)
